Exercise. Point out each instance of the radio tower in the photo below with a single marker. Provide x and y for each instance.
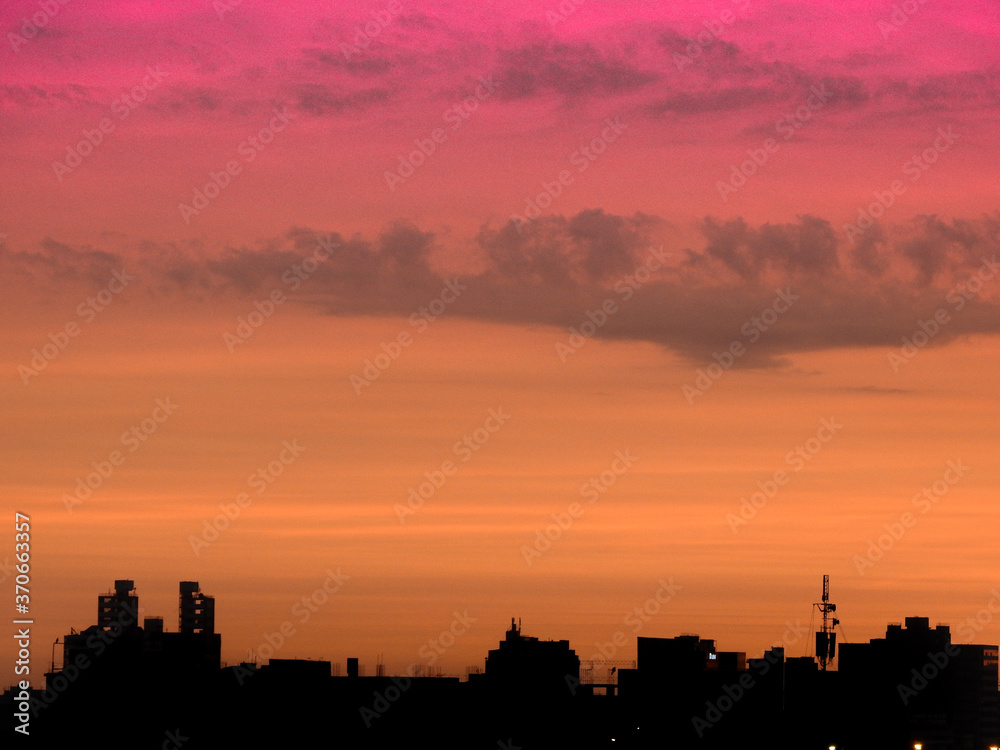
(826, 639)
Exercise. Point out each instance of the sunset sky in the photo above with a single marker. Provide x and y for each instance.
(392, 290)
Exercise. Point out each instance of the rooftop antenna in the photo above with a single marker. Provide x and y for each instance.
(826, 638)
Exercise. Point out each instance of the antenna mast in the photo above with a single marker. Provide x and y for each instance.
(826, 638)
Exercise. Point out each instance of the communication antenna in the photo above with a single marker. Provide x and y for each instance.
(826, 638)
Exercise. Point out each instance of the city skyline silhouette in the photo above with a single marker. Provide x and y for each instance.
(915, 685)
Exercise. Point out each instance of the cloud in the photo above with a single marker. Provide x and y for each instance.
(319, 100)
(570, 70)
(427, 55)
(558, 268)
(34, 96)
(586, 248)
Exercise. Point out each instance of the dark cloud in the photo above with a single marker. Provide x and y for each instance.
(356, 64)
(695, 301)
(572, 70)
(941, 248)
(963, 89)
(58, 263)
(809, 247)
(318, 99)
(181, 99)
(657, 70)
(35, 96)
(720, 75)
(592, 246)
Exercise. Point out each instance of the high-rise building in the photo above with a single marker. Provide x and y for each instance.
(197, 611)
(124, 646)
(525, 663)
(119, 610)
(923, 687)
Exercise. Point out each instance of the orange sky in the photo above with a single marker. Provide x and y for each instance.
(333, 508)
(491, 314)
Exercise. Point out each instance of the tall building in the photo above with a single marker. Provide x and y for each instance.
(122, 645)
(120, 609)
(674, 691)
(197, 611)
(527, 664)
(925, 688)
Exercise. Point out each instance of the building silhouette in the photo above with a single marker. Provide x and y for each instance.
(118, 636)
(919, 686)
(124, 683)
(527, 665)
(197, 611)
(140, 686)
(113, 609)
